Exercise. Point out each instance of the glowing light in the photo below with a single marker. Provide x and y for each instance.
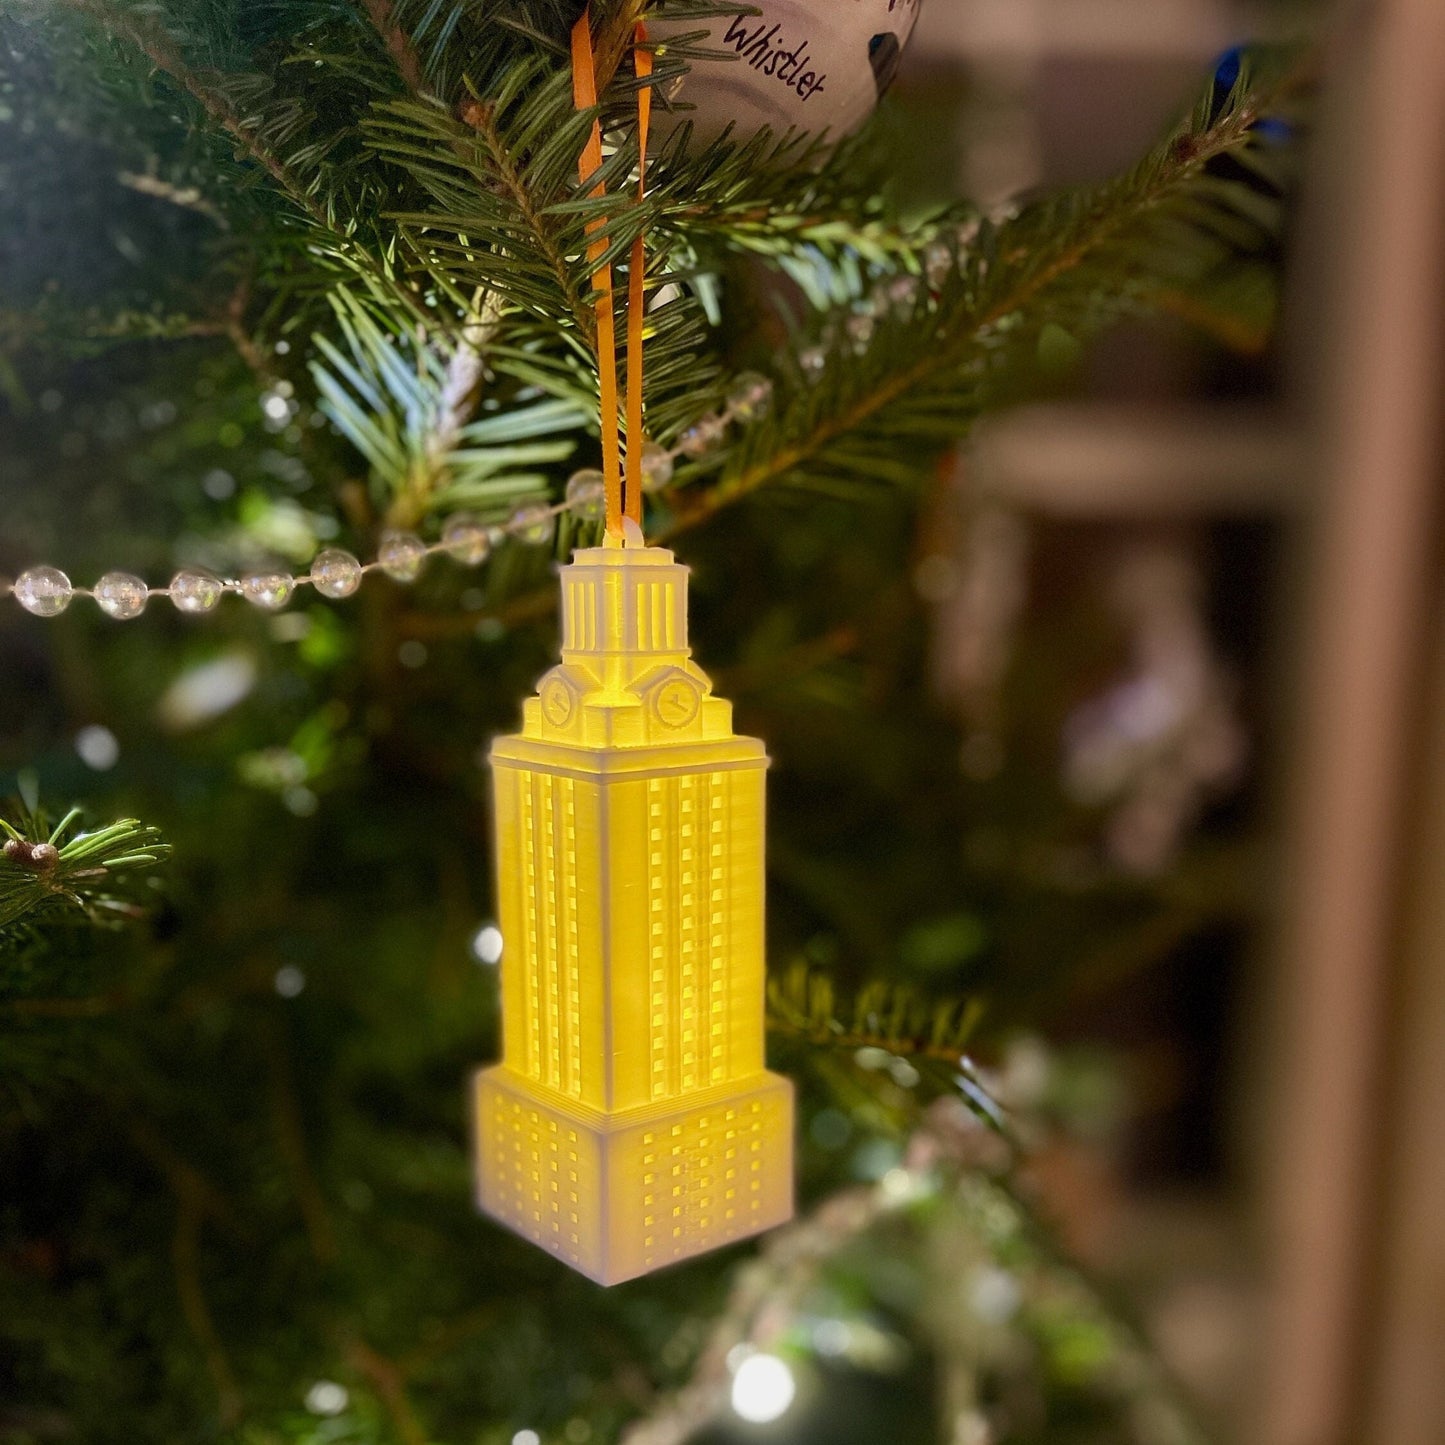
(205, 692)
(904, 1074)
(526, 1437)
(97, 748)
(995, 1295)
(629, 814)
(289, 981)
(973, 1429)
(487, 944)
(218, 484)
(898, 1185)
(763, 1388)
(326, 1397)
(300, 801)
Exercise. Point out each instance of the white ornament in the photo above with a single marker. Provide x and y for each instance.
(811, 65)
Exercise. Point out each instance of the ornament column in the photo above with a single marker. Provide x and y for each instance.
(631, 1122)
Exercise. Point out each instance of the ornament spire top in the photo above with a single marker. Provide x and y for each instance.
(627, 678)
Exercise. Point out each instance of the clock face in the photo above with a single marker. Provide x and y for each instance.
(557, 702)
(676, 703)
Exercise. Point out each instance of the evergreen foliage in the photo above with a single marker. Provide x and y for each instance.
(45, 869)
(232, 1130)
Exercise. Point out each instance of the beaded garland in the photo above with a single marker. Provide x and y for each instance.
(46, 591)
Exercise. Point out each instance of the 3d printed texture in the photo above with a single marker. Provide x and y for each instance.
(631, 1122)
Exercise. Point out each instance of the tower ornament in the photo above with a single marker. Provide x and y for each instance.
(631, 1122)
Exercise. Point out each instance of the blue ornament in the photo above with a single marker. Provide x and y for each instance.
(1226, 69)
(1273, 129)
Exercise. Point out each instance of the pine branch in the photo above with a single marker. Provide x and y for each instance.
(408, 402)
(94, 872)
(613, 39)
(188, 198)
(457, 404)
(769, 1293)
(804, 1004)
(482, 118)
(927, 376)
(773, 195)
(390, 1385)
(888, 1029)
(951, 1197)
(163, 53)
(1170, 228)
(398, 44)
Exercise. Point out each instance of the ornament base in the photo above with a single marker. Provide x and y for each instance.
(618, 1195)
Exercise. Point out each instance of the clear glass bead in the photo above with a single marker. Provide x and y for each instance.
(587, 494)
(195, 591)
(401, 555)
(335, 573)
(702, 436)
(534, 523)
(860, 330)
(938, 264)
(467, 539)
(45, 591)
(751, 396)
(120, 595)
(813, 362)
(656, 467)
(270, 591)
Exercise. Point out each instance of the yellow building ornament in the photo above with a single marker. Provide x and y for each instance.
(631, 1122)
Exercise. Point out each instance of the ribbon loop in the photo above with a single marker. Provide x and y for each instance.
(636, 277)
(623, 493)
(584, 97)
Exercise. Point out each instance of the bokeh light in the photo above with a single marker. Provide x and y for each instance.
(763, 1388)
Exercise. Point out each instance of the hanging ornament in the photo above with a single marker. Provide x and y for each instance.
(812, 65)
(631, 1122)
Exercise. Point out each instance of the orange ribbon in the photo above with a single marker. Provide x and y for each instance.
(636, 274)
(623, 494)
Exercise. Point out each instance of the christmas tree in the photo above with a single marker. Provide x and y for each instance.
(310, 289)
